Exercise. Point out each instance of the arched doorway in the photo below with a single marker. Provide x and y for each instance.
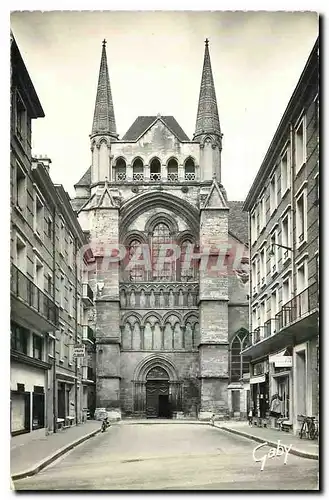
(157, 393)
(156, 376)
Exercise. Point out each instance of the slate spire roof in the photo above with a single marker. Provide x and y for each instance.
(104, 119)
(207, 121)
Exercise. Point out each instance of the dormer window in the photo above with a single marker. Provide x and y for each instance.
(155, 170)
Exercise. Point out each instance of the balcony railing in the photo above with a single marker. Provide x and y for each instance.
(87, 294)
(257, 334)
(88, 334)
(23, 288)
(172, 177)
(189, 176)
(121, 176)
(138, 176)
(270, 327)
(298, 307)
(155, 176)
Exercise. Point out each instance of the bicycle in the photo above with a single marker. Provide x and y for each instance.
(309, 428)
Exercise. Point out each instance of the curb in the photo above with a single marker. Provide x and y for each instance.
(51, 458)
(293, 451)
(169, 422)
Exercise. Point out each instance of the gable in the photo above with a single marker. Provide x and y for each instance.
(142, 124)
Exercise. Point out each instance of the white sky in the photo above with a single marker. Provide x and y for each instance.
(155, 63)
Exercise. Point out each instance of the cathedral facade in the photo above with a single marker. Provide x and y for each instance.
(169, 269)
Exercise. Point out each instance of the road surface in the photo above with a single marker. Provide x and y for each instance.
(171, 457)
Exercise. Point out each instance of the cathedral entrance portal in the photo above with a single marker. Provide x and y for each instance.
(157, 394)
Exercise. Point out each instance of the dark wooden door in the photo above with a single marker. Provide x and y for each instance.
(155, 389)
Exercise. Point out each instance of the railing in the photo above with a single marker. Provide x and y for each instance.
(257, 335)
(88, 333)
(270, 327)
(155, 176)
(172, 177)
(299, 306)
(189, 176)
(87, 292)
(138, 176)
(121, 176)
(23, 288)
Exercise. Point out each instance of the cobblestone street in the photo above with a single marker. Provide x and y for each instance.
(164, 456)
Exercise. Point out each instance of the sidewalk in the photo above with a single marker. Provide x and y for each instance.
(302, 447)
(29, 455)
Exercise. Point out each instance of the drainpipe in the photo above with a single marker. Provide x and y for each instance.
(249, 302)
(293, 210)
(54, 343)
(76, 329)
(292, 246)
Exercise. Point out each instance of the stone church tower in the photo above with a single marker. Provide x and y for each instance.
(169, 284)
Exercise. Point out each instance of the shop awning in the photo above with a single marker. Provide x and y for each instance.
(271, 358)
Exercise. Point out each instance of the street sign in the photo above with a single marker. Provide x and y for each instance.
(79, 351)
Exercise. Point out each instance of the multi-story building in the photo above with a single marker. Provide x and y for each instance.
(48, 386)
(284, 240)
(166, 335)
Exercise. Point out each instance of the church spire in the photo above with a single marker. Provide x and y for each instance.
(207, 121)
(104, 120)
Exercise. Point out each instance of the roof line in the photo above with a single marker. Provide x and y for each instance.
(253, 191)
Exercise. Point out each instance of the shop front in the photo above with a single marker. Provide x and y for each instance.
(27, 398)
(280, 365)
(259, 392)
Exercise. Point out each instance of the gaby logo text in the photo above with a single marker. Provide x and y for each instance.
(280, 450)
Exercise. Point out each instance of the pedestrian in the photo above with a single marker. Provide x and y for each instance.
(250, 417)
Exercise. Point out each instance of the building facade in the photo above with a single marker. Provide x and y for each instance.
(283, 208)
(170, 265)
(49, 302)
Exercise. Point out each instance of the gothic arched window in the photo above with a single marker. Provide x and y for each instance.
(172, 174)
(189, 170)
(136, 272)
(238, 364)
(162, 270)
(138, 170)
(120, 170)
(155, 170)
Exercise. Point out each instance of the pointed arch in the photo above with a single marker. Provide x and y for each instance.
(173, 313)
(136, 205)
(172, 158)
(237, 364)
(189, 169)
(138, 169)
(152, 314)
(120, 168)
(159, 218)
(102, 140)
(155, 169)
(190, 315)
(172, 169)
(129, 314)
(151, 362)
